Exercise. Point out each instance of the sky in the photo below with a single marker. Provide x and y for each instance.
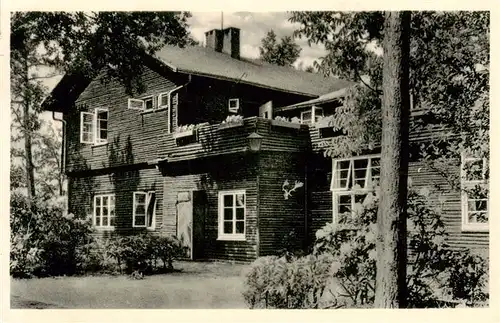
(254, 26)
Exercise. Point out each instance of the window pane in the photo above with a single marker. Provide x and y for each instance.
(88, 118)
(228, 227)
(228, 213)
(112, 221)
(105, 211)
(135, 104)
(344, 204)
(112, 198)
(102, 115)
(140, 210)
(478, 205)
(240, 226)
(98, 212)
(240, 200)
(149, 104)
(164, 100)
(105, 221)
(103, 134)
(140, 198)
(341, 173)
(482, 217)
(140, 220)
(228, 200)
(98, 201)
(240, 213)
(104, 200)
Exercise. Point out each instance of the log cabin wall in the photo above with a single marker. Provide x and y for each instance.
(443, 197)
(281, 220)
(122, 183)
(235, 172)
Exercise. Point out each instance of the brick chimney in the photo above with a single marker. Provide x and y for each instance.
(225, 41)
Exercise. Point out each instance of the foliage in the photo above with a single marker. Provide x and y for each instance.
(140, 253)
(449, 68)
(273, 282)
(283, 53)
(433, 269)
(44, 240)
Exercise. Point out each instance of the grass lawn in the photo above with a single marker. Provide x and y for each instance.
(197, 285)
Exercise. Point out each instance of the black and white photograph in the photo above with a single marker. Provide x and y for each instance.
(249, 160)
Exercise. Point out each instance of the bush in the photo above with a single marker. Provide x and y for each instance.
(44, 240)
(434, 271)
(346, 253)
(141, 252)
(273, 282)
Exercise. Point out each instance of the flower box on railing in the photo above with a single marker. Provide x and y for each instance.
(232, 124)
(184, 134)
(286, 124)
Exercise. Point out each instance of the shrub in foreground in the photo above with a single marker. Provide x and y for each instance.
(346, 266)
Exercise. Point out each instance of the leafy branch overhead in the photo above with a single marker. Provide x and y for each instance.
(449, 71)
(283, 53)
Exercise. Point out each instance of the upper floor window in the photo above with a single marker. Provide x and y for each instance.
(104, 211)
(352, 180)
(94, 126)
(232, 213)
(170, 101)
(311, 116)
(144, 210)
(234, 105)
(474, 186)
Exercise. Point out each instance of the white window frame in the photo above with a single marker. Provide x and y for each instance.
(92, 130)
(313, 114)
(231, 236)
(143, 104)
(110, 206)
(338, 191)
(147, 200)
(467, 184)
(153, 104)
(96, 140)
(233, 109)
(170, 95)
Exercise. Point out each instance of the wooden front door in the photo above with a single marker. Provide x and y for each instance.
(191, 210)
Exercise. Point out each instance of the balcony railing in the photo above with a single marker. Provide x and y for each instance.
(227, 138)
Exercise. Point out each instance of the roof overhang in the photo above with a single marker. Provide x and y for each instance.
(327, 98)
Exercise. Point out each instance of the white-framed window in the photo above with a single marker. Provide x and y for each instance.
(144, 210)
(311, 116)
(234, 105)
(353, 179)
(474, 187)
(143, 104)
(104, 211)
(94, 126)
(232, 215)
(170, 101)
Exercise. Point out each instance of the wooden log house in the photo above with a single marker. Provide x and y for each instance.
(200, 154)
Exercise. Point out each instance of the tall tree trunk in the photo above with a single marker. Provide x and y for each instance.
(391, 290)
(28, 127)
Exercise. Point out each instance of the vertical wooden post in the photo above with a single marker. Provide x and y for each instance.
(391, 290)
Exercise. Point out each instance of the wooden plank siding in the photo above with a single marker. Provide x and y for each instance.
(128, 130)
(212, 140)
(278, 217)
(230, 173)
(443, 197)
(82, 190)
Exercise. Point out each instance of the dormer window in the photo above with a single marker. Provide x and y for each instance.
(311, 116)
(234, 105)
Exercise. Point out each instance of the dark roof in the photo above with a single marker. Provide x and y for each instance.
(326, 98)
(207, 62)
